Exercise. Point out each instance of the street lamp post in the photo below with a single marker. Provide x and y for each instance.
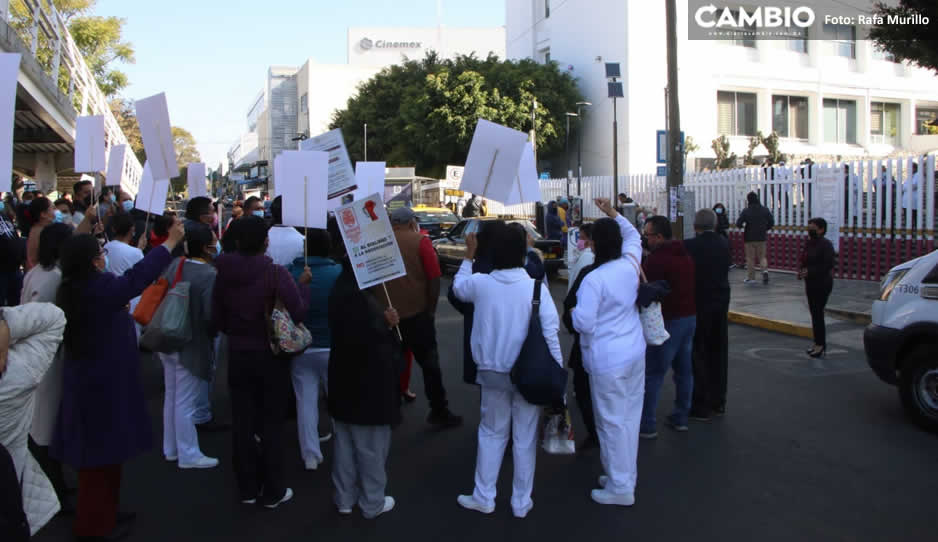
(366, 142)
(567, 151)
(579, 146)
(613, 73)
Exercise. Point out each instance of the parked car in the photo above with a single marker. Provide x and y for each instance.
(435, 221)
(452, 247)
(901, 343)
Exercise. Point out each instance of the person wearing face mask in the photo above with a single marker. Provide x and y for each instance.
(286, 244)
(586, 258)
(817, 271)
(186, 372)
(253, 206)
(37, 215)
(82, 200)
(103, 418)
(65, 207)
(723, 221)
(121, 255)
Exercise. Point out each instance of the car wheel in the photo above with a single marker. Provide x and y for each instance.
(918, 386)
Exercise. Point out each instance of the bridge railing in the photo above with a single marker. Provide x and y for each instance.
(45, 32)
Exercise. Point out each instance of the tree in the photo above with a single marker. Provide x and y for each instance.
(99, 40)
(721, 148)
(424, 113)
(186, 153)
(915, 43)
(126, 116)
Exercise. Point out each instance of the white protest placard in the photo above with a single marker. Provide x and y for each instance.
(89, 144)
(157, 133)
(527, 188)
(370, 242)
(278, 186)
(369, 176)
(341, 176)
(493, 161)
(151, 197)
(9, 69)
(115, 165)
(304, 178)
(195, 176)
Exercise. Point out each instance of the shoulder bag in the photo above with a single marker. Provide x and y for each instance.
(169, 329)
(536, 374)
(286, 338)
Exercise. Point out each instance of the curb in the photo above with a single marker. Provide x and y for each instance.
(778, 326)
(862, 318)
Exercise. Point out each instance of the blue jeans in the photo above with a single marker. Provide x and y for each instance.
(676, 352)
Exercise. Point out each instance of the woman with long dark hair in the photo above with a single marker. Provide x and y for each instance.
(817, 270)
(103, 420)
(37, 215)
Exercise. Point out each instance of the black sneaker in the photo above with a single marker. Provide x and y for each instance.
(765, 278)
(699, 416)
(444, 419)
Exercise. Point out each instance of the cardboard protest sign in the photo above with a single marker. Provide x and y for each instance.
(527, 188)
(89, 144)
(115, 165)
(303, 179)
(341, 176)
(493, 161)
(9, 69)
(369, 176)
(370, 242)
(195, 177)
(152, 194)
(157, 133)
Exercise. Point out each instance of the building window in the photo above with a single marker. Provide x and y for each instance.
(790, 116)
(840, 121)
(925, 117)
(546, 8)
(545, 56)
(842, 39)
(304, 103)
(736, 113)
(884, 123)
(799, 45)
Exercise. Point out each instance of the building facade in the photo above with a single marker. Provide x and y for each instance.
(831, 97)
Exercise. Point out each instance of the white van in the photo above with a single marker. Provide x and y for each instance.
(902, 342)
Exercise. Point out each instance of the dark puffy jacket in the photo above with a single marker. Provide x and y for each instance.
(758, 220)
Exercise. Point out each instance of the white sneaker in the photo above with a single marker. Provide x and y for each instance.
(469, 502)
(602, 496)
(311, 464)
(172, 458)
(325, 438)
(287, 495)
(749, 281)
(603, 480)
(200, 463)
(388, 506)
(522, 513)
(344, 511)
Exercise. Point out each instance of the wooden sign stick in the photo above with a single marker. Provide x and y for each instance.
(396, 328)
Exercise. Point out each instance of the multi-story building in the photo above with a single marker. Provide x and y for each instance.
(828, 95)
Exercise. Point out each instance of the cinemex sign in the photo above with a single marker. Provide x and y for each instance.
(367, 44)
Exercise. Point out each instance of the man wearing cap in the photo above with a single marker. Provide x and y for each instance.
(415, 296)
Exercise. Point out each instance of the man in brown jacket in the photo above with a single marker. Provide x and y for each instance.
(415, 297)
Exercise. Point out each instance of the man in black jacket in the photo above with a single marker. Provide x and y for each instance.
(710, 251)
(758, 221)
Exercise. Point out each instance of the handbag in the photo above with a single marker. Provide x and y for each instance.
(170, 328)
(651, 318)
(557, 433)
(151, 298)
(286, 338)
(536, 374)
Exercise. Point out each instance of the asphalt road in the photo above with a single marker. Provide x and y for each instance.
(809, 450)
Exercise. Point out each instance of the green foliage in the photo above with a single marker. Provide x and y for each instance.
(423, 113)
(690, 146)
(771, 143)
(186, 153)
(913, 42)
(721, 147)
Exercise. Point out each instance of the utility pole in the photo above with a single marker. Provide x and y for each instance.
(534, 130)
(579, 146)
(366, 142)
(675, 150)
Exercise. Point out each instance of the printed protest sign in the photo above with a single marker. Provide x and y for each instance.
(195, 177)
(157, 133)
(493, 161)
(9, 68)
(341, 176)
(370, 242)
(115, 165)
(303, 178)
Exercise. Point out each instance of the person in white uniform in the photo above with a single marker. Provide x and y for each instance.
(285, 243)
(586, 257)
(613, 347)
(503, 304)
(121, 255)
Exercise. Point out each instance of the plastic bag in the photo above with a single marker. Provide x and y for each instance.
(557, 434)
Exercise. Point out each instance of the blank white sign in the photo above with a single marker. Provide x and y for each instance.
(89, 145)
(492, 163)
(9, 69)
(157, 132)
(304, 184)
(195, 176)
(115, 165)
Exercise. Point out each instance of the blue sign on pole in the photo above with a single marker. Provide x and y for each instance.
(661, 145)
(545, 176)
(662, 171)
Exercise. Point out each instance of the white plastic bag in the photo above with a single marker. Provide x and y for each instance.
(557, 434)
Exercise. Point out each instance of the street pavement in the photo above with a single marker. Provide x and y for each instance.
(808, 450)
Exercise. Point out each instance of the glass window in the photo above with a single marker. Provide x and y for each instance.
(884, 123)
(925, 116)
(304, 103)
(840, 121)
(799, 45)
(546, 8)
(842, 40)
(458, 229)
(790, 116)
(736, 113)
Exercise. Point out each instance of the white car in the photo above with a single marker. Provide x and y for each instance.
(901, 343)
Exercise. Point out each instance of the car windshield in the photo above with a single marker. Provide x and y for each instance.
(532, 231)
(436, 217)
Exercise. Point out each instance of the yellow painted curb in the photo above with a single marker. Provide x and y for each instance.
(778, 326)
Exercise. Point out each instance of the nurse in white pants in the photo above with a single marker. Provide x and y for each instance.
(613, 348)
(309, 371)
(502, 302)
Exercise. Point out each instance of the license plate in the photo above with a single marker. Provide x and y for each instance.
(550, 256)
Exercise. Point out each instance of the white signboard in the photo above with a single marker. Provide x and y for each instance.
(303, 178)
(454, 174)
(825, 203)
(527, 188)
(493, 161)
(369, 176)
(573, 251)
(9, 69)
(157, 133)
(369, 239)
(89, 144)
(115, 165)
(195, 177)
(152, 194)
(341, 175)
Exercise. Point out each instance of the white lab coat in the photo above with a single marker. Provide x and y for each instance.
(585, 259)
(36, 331)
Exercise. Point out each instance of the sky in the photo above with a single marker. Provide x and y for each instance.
(211, 56)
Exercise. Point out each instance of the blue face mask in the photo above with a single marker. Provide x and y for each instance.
(128, 206)
(113, 198)
(218, 248)
(258, 213)
(59, 217)
(107, 263)
(718, 211)
(3, 206)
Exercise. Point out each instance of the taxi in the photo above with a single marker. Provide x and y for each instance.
(452, 246)
(435, 221)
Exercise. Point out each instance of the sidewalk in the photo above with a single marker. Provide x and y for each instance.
(783, 307)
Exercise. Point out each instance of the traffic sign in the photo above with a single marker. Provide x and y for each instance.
(661, 146)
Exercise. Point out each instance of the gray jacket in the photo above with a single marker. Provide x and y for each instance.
(198, 355)
(758, 220)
